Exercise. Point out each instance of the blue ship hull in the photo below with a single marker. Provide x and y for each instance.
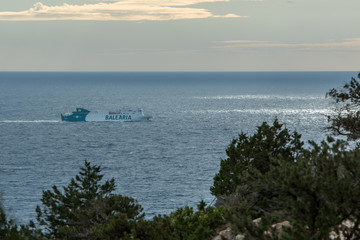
(77, 116)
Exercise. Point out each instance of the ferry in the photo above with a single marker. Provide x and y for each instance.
(123, 115)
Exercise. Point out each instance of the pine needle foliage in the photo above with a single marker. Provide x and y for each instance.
(85, 206)
(249, 156)
(271, 177)
(318, 194)
(184, 223)
(345, 119)
(9, 230)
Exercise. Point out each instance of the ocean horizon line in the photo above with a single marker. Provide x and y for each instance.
(275, 71)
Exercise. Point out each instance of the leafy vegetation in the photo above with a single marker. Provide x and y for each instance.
(317, 195)
(9, 230)
(184, 223)
(316, 189)
(345, 120)
(86, 209)
(250, 157)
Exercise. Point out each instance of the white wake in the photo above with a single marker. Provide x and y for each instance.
(30, 121)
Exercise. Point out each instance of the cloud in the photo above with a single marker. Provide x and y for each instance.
(126, 10)
(351, 43)
(165, 2)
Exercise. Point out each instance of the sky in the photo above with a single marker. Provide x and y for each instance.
(179, 35)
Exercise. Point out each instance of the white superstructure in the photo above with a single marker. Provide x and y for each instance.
(121, 115)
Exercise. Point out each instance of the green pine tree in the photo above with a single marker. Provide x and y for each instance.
(345, 119)
(86, 208)
(317, 194)
(9, 230)
(250, 156)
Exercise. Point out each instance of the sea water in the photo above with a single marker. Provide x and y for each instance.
(166, 163)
